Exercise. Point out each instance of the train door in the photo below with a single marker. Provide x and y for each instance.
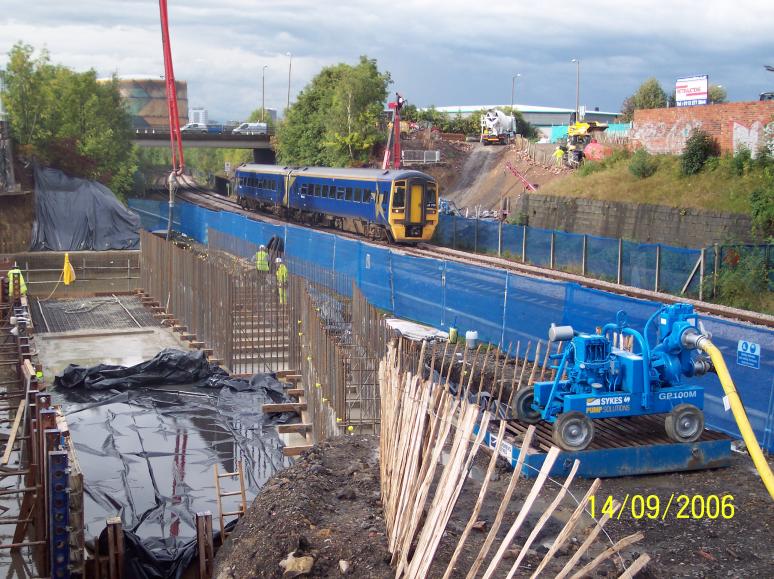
(416, 197)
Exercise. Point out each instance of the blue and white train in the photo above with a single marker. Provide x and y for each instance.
(395, 205)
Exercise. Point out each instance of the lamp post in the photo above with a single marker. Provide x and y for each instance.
(290, 66)
(577, 88)
(513, 88)
(263, 92)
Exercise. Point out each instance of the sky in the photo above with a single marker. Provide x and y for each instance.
(438, 52)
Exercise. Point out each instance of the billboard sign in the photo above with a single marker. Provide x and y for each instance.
(691, 91)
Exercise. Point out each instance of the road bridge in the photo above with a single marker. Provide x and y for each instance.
(261, 145)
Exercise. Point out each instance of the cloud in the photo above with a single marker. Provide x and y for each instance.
(439, 52)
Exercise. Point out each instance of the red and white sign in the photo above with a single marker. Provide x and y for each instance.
(691, 91)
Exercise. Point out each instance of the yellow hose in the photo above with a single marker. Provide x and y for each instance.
(739, 414)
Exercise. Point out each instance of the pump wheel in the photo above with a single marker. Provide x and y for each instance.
(523, 406)
(685, 423)
(573, 431)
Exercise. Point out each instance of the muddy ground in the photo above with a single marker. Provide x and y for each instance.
(472, 175)
(327, 506)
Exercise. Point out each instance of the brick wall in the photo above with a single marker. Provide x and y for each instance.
(638, 222)
(732, 125)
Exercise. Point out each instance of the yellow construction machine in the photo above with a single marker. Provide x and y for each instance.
(580, 134)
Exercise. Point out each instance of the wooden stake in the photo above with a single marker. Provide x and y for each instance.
(558, 351)
(623, 543)
(503, 504)
(545, 361)
(481, 380)
(544, 518)
(636, 567)
(568, 528)
(479, 503)
(524, 365)
(548, 464)
(532, 374)
(587, 543)
(513, 377)
(502, 378)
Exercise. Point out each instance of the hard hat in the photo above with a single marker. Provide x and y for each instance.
(262, 247)
(278, 260)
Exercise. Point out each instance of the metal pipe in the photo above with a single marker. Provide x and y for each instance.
(524, 244)
(551, 256)
(701, 274)
(658, 267)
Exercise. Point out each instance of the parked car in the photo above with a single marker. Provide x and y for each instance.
(194, 128)
(767, 96)
(251, 129)
(201, 128)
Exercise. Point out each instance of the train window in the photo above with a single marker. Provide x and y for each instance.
(303, 189)
(340, 193)
(399, 196)
(316, 190)
(348, 196)
(430, 196)
(358, 195)
(324, 191)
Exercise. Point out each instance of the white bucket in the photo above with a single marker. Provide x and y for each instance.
(471, 337)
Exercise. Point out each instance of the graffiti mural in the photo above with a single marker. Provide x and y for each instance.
(661, 137)
(754, 137)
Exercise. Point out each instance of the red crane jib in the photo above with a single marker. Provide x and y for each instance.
(175, 137)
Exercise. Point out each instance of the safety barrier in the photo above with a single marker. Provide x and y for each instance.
(503, 307)
(420, 157)
(650, 266)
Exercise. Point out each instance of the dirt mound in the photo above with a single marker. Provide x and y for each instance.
(326, 506)
(477, 175)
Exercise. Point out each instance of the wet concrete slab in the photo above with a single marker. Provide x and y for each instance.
(125, 347)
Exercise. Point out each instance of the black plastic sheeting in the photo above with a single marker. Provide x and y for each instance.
(147, 448)
(76, 214)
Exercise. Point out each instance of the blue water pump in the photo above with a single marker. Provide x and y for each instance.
(618, 372)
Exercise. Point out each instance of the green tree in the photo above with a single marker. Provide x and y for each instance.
(335, 120)
(255, 117)
(649, 95)
(716, 94)
(68, 120)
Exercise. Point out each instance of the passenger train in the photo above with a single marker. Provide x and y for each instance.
(396, 205)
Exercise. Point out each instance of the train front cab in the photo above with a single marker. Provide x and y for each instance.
(413, 209)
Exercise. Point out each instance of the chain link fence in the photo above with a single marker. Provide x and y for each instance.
(648, 266)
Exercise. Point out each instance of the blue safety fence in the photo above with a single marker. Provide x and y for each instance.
(503, 307)
(649, 266)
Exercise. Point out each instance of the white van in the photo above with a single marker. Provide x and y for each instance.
(251, 129)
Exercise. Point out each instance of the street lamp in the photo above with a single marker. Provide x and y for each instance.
(263, 92)
(513, 88)
(577, 88)
(290, 66)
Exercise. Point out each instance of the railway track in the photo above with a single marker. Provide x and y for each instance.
(193, 193)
